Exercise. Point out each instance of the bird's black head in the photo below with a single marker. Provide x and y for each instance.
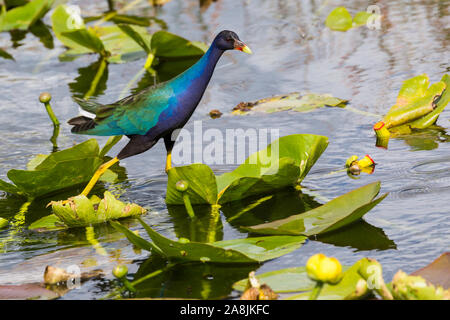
(228, 40)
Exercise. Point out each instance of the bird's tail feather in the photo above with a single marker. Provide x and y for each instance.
(81, 124)
(89, 106)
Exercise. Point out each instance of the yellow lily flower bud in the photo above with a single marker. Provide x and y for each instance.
(365, 162)
(322, 268)
(381, 130)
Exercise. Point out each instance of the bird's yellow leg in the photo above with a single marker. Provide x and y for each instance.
(101, 170)
(97, 175)
(168, 160)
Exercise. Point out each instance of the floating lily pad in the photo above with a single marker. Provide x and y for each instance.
(281, 281)
(293, 101)
(296, 280)
(341, 20)
(418, 105)
(361, 18)
(283, 163)
(335, 214)
(47, 174)
(432, 117)
(23, 17)
(249, 250)
(346, 289)
(48, 223)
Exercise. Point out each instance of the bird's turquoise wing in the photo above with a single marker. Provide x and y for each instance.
(135, 114)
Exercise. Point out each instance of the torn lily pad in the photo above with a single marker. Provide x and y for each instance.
(293, 101)
(80, 211)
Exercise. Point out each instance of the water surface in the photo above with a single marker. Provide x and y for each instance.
(293, 51)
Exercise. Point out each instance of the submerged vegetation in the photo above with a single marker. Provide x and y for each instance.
(264, 198)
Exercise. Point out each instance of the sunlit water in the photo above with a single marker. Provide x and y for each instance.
(293, 51)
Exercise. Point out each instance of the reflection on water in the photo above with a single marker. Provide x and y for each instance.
(97, 74)
(253, 211)
(199, 229)
(190, 280)
(293, 51)
(426, 139)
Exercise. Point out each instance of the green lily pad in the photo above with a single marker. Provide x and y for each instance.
(86, 38)
(345, 289)
(128, 19)
(296, 280)
(281, 281)
(296, 155)
(361, 18)
(170, 46)
(136, 36)
(23, 17)
(335, 214)
(292, 101)
(65, 19)
(283, 163)
(47, 174)
(249, 250)
(48, 223)
(283, 204)
(70, 29)
(418, 105)
(202, 184)
(118, 43)
(339, 19)
(432, 117)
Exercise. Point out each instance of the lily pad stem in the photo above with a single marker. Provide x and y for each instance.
(215, 216)
(45, 98)
(188, 205)
(316, 291)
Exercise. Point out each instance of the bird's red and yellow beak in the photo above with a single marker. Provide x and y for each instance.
(239, 45)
